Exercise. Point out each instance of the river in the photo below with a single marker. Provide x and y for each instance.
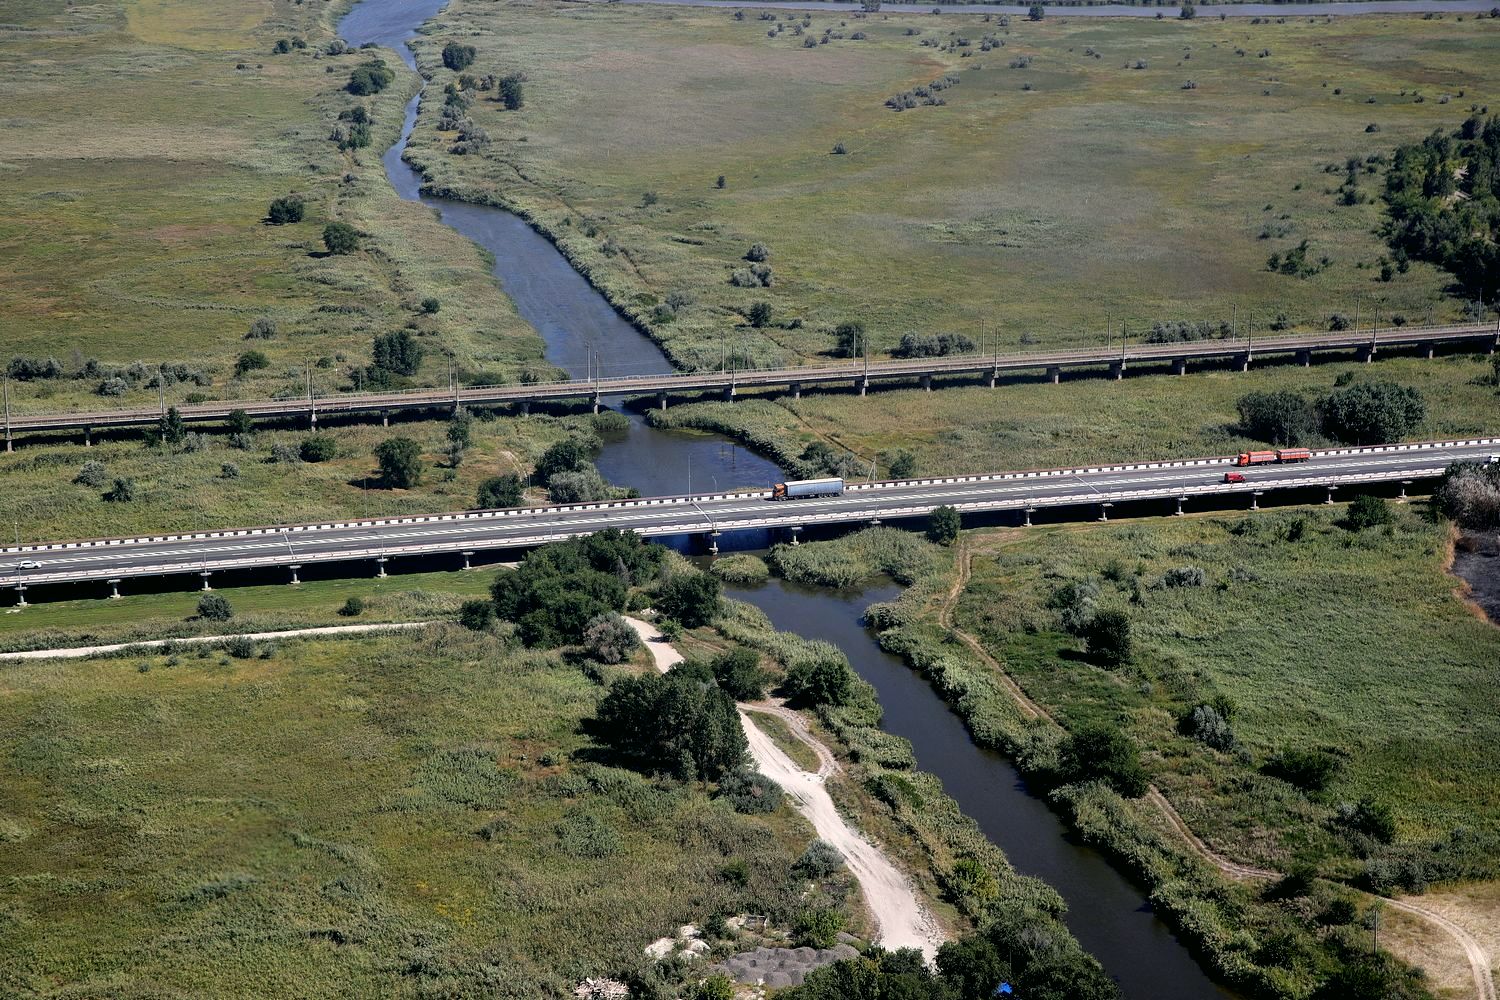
(1476, 561)
(1109, 914)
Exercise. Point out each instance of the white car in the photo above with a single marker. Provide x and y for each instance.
(28, 564)
(1494, 460)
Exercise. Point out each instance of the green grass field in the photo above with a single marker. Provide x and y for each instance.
(1102, 191)
(409, 816)
(148, 139)
(1353, 641)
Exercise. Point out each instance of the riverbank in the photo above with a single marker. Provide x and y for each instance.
(1474, 558)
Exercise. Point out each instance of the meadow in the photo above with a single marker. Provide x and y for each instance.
(407, 816)
(148, 143)
(1071, 177)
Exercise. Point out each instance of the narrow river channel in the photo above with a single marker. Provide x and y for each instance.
(1109, 914)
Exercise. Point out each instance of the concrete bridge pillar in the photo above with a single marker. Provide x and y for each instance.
(1494, 345)
(1366, 354)
(8, 446)
(114, 589)
(525, 406)
(1304, 358)
(862, 384)
(295, 580)
(1117, 370)
(795, 531)
(1329, 498)
(596, 402)
(1255, 499)
(1244, 361)
(21, 596)
(713, 542)
(1054, 375)
(380, 567)
(467, 556)
(994, 377)
(1029, 511)
(1179, 366)
(1404, 484)
(205, 575)
(927, 383)
(385, 418)
(88, 437)
(1104, 510)
(1427, 350)
(796, 390)
(661, 401)
(312, 417)
(1180, 502)
(729, 394)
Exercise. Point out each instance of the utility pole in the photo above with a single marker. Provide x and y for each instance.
(1234, 320)
(7, 413)
(1109, 328)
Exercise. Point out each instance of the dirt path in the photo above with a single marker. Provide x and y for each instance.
(902, 920)
(1479, 960)
(78, 652)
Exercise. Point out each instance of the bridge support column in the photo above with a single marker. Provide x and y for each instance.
(1427, 350)
(661, 401)
(1104, 510)
(927, 383)
(596, 402)
(1117, 370)
(312, 418)
(380, 567)
(467, 556)
(796, 390)
(1180, 502)
(795, 531)
(1029, 511)
(114, 589)
(21, 596)
(206, 587)
(1255, 500)
(385, 418)
(994, 377)
(1244, 360)
(8, 447)
(862, 384)
(1179, 366)
(729, 394)
(525, 406)
(1054, 375)
(88, 437)
(295, 581)
(1304, 358)
(1494, 345)
(874, 522)
(1366, 354)
(1329, 498)
(713, 542)
(1404, 484)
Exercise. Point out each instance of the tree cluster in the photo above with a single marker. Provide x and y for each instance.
(932, 345)
(1359, 413)
(370, 78)
(560, 589)
(673, 724)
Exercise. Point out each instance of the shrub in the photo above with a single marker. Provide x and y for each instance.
(1108, 636)
(285, 210)
(943, 525)
(239, 422)
(817, 928)
(214, 608)
(584, 835)
(250, 361)
(1184, 576)
(1309, 770)
(229, 470)
(500, 491)
(572, 454)
(558, 589)
(1206, 725)
(1370, 818)
(477, 616)
(262, 328)
(113, 386)
(457, 56)
(398, 353)
(400, 461)
(1372, 412)
(849, 339)
(672, 724)
(340, 238)
(122, 490)
(759, 314)
(93, 474)
(819, 861)
(355, 606)
(171, 428)
(901, 463)
(1338, 321)
(750, 792)
(610, 639)
(512, 93)
(820, 678)
(1282, 417)
(840, 149)
(240, 647)
(1470, 494)
(285, 454)
(690, 598)
(758, 253)
(370, 78)
(741, 568)
(318, 448)
(738, 672)
(1103, 752)
(1368, 512)
(583, 486)
(430, 306)
(932, 345)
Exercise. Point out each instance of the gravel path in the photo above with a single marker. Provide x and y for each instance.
(902, 920)
(78, 652)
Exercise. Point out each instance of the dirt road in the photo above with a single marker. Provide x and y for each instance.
(902, 920)
(78, 652)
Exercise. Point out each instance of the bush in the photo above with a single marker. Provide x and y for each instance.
(340, 238)
(250, 361)
(1368, 512)
(122, 490)
(759, 314)
(229, 470)
(820, 678)
(817, 928)
(584, 486)
(943, 525)
(370, 78)
(430, 306)
(750, 792)
(214, 608)
(673, 724)
(1470, 494)
(1108, 636)
(285, 210)
(355, 606)
(398, 353)
(819, 861)
(285, 454)
(1372, 412)
(1282, 417)
(458, 57)
(1371, 818)
(512, 93)
(758, 252)
(738, 672)
(741, 568)
(1104, 753)
(932, 345)
(500, 491)
(1309, 770)
(610, 639)
(93, 474)
(1184, 576)
(1207, 726)
(558, 589)
(572, 454)
(318, 448)
(690, 598)
(400, 462)
(262, 328)
(849, 339)
(477, 616)
(240, 647)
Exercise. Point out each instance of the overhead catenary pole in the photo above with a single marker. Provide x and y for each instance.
(7, 414)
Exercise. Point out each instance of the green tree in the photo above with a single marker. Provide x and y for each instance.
(609, 638)
(690, 598)
(759, 314)
(512, 92)
(1036, 12)
(318, 448)
(671, 724)
(398, 353)
(239, 422)
(849, 339)
(340, 238)
(1188, 12)
(500, 491)
(461, 429)
(214, 608)
(739, 673)
(250, 361)
(1282, 417)
(571, 454)
(1103, 752)
(1368, 512)
(457, 56)
(901, 463)
(817, 927)
(171, 428)
(1372, 412)
(476, 615)
(821, 678)
(1108, 636)
(370, 78)
(400, 461)
(285, 210)
(943, 525)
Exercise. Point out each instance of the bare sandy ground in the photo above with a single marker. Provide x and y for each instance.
(78, 652)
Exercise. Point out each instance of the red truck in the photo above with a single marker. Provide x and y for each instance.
(1267, 457)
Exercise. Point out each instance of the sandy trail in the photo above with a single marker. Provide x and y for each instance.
(902, 920)
(154, 645)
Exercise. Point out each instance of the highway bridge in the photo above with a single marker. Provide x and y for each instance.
(1087, 491)
(860, 374)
